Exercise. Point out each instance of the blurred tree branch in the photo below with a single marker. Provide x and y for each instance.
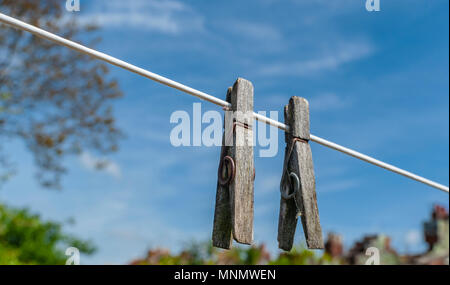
(55, 100)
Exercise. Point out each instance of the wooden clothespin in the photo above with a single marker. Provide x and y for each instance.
(298, 186)
(233, 215)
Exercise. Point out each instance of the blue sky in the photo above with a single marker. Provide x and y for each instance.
(377, 82)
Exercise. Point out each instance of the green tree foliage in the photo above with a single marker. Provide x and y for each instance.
(298, 256)
(26, 239)
(55, 100)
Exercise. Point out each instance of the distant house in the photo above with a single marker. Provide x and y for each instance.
(435, 233)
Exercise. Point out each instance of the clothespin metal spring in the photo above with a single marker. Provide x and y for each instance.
(284, 190)
(230, 171)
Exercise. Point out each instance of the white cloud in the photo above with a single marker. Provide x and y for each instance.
(328, 60)
(252, 30)
(337, 185)
(327, 102)
(94, 163)
(413, 238)
(268, 184)
(165, 16)
(322, 102)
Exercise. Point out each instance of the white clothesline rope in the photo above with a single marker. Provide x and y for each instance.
(166, 81)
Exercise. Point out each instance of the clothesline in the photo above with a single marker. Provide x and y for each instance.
(204, 96)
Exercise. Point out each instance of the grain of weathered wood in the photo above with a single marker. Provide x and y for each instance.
(301, 163)
(287, 219)
(299, 116)
(221, 236)
(307, 200)
(233, 216)
(242, 188)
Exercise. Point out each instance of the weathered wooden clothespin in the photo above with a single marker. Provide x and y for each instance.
(233, 215)
(298, 186)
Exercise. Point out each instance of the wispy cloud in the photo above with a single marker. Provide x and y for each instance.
(413, 238)
(337, 185)
(268, 184)
(92, 163)
(328, 60)
(320, 102)
(253, 30)
(327, 102)
(165, 16)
